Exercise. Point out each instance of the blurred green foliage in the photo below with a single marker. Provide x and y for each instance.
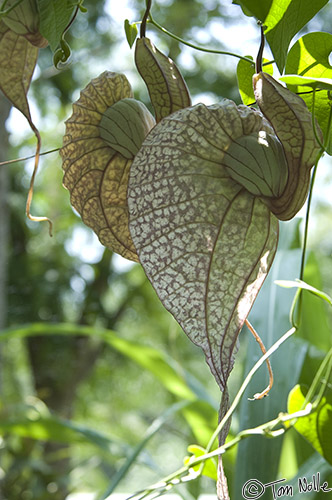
(90, 358)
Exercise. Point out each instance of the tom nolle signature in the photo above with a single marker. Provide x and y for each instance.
(254, 489)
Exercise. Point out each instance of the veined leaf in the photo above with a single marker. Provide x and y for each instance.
(205, 243)
(17, 63)
(284, 20)
(309, 58)
(96, 174)
(54, 18)
(167, 88)
(316, 427)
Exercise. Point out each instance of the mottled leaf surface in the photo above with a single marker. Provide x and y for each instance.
(95, 174)
(167, 88)
(17, 63)
(309, 57)
(205, 243)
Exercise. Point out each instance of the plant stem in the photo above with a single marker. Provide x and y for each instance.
(259, 58)
(145, 18)
(25, 158)
(197, 47)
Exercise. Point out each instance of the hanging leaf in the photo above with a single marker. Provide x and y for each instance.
(103, 134)
(309, 58)
(206, 244)
(131, 32)
(167, 88)
(17, 63)
(316, 427)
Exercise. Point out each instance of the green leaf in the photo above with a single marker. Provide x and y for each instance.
(17, 63)
(315, 324)
(54, 18)
(210, 465)
(205, 243)
(167, 89)
(304, 286)
(36, 422)
(306, 81)
(309, 58)
(131, 32)
(316, 427)
(151, 359)
(257, 8)
(245, 71)
(284, 20)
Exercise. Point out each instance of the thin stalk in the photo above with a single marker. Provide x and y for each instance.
(32, 181)
(25, 158)
(197, 47)
(259, 58)
(145, 18)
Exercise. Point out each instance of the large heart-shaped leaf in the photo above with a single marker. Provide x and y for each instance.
(206, 243)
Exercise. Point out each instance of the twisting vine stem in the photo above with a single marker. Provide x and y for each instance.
(32, 181)
(145, 18)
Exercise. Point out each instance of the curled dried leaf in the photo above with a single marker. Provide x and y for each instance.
(97, 157)
(167, 88)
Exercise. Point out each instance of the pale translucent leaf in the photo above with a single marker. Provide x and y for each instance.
(95, 173)
(17, 63)
(206, 243)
